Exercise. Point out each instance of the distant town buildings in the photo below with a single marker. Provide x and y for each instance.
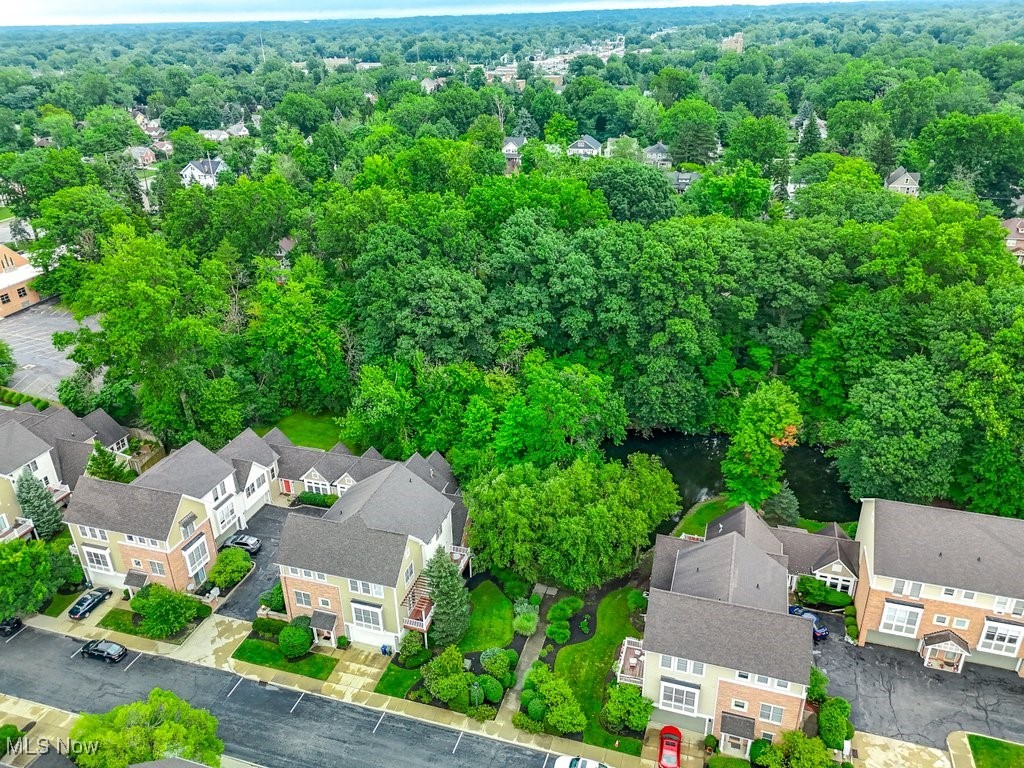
(15, 274)
(204, 172)
(733, 43)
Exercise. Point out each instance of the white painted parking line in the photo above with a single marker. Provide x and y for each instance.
(132, 662)
(14, 635)
(296, 703)
(547, 757)
(76, 653)
(458, 741)
(379, 722)
(233, 688)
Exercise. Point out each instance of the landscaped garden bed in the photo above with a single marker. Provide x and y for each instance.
(158, 613)
(286, 647)
(130, 623)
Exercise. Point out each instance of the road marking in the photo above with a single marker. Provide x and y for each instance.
(546, 758)
(379, 722)
(458, 741)
(132, 662)
(14, 635)
(296, 703)
(233, 688)
(76, 653)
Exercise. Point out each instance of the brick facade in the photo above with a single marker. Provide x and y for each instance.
(792, 706)
(130, 552)
(316, 590)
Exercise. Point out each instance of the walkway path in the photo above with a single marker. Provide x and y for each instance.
(530, 654)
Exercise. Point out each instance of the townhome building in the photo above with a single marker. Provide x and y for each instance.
(55, 446)
(943, 583)
(828, 555)
(720, 652)
(357, 570)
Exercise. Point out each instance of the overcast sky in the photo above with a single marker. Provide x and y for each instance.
(40, 12)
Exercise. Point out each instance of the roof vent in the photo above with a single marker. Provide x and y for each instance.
(979, 558)
(940, 554)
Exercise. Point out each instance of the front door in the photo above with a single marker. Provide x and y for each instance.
(324, 637)
(734, 745)
(286, 486)
(199, 576)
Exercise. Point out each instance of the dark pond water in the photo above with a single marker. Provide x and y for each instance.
(695, 463)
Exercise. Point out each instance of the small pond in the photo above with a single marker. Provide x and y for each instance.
(695, 462)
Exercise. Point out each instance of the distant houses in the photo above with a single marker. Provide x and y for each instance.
(204, 172)
(733, 43)
(903, 181)
(658, 156)
(586, 146)
(1015, 238)
(511, 149)
(681, 180)
(142, 157)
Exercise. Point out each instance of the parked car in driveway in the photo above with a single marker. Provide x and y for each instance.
(670, 749)
(88, 603)
(243, 541)
(9, 626)
(577, 762)
(106, 650)
(819, 629)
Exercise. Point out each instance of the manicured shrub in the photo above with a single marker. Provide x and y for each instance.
(836, 598)
(711, 742)
(460, 701)
(832, 722)
(537, 675)
(558, 631)
(549, 648)
(521, 606)
(535, 599)
(411, 651)
(231, 567)
(852, 630)
(512, 584)
(483, 713)
(270, 627)
(273, 598)
(636, 602)
(810, 590)
(301, 621)
(316, 499)
(510, 680)
(295, 641)
(513, 657)
(524, 722)
(817, 691)
(421, 695)
(565, 609)
(525, 624)
(496, 662)
(724, 761)
(526, 697)
(8, 734)
(626, 708)
(203, 610)
(537, 709)
(564, 715)
(164, 612)
(850, 611)
(343, 642)
(445, 676)
(492, 688)
(757, 748)
(585, 625)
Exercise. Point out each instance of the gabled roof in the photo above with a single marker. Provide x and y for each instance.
(394, 500)
(948, 547)
(657, 148)
(107, 430)
(515, 141)
(73, 457)
(899, 173)
(55, 424)
(208, 167)
(241, 469)
(294, 461)
(372, 453)
(731, 569)
(426, 472)
(586, 141)
(193, 470)
(20, 446)
(123, 508)
(248, 446)
(809, 552)
(277, 437)
(946, 636)
(745, 521)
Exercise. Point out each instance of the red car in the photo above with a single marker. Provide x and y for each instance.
(671, 746)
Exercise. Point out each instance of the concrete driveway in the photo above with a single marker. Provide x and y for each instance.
(894, 695)
(266, 524)
(29, 333)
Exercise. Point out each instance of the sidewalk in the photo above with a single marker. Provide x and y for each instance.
(882, 752)
(959, 750)
(530, 654)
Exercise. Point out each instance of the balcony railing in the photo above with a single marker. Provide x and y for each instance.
(630, 668)
(420, 617)
(22, 527)
(460, 556)
(60, 492)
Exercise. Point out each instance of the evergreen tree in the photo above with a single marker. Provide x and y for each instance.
(782, 508)
(37, 504)
(810, 139)
(451, 599)
(880, 148)
(103, 465)
(526, 125)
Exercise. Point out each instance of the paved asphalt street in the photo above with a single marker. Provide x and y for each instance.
(29, 333)
(269, 726)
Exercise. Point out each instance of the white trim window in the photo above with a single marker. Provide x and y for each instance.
(157, 568)
(261, 480)
(1000, 638)
(250, 489)
(770, 713)
(196, 556)
(92, 533)
(910, 588)
(679, 698)
(303, 599)
(900, 620)
(305, 573)
(940, 621)
(98, 560)
(1006, 605)
(959, 623)
(739, 705)
(313, 486)
(142, 541)
(367, 617)
(409, 573)
(365, 588)
(684, 666)
(136, 563)
(324, 602)
(220, 490)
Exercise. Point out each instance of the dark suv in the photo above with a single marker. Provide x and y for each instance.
(820, 630)
(9, 626)
(88, 602)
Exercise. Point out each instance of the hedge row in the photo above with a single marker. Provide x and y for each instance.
(10, 397)
(317, 499)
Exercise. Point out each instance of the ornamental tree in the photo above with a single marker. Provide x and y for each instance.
(451, 599)
(103, 464)
(37, 504)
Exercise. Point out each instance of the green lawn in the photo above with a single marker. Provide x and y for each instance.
(695, 522)
(490, 623)
(397, 682)
(120, 620)
(267, 654)
(992, 753)
(5, 212)
(305, 429)
(586, 665)
(60, 603)
(816, 525)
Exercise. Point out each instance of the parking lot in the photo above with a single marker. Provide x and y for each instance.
(266, 525)
(893, 694)
(29, 333)
(262, 723)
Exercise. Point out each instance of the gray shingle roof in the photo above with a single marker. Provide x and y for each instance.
(123, 508)
(946, 636)
(745, 521)
(732, 636)
(194, 470)
(55, 424)
(949, 547)
(895, 175)
(809, 552)
(294, 460)
(426, 472)
(19, 446)
(323, 620)
(73, 457)
(731, 569)
(441, 466)
(107, 430)
(346, 548)
(277, 437)
(665, 550)
(241, 469)
(394, 500)
(738, 725)
(248, 446)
